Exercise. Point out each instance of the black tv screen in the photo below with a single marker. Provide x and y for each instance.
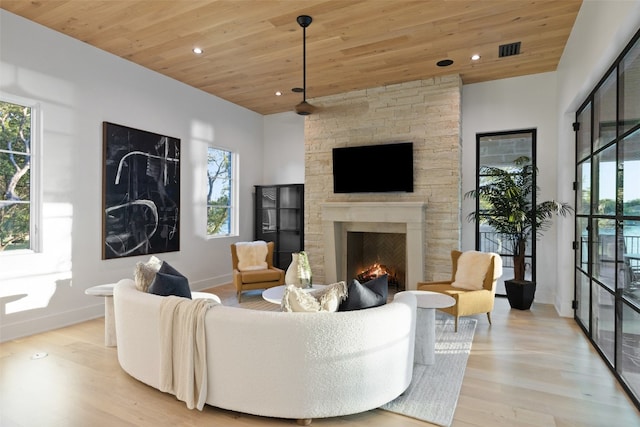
(373, 168)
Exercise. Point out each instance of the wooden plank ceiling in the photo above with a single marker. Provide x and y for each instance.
(253, 48)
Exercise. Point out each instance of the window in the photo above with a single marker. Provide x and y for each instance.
(18, 213)
(220, 192)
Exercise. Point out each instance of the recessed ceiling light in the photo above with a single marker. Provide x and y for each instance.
(197, 51)
(444, 63)
(278, 93)
(475, 57)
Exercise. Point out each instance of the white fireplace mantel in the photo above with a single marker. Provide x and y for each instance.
(338, 218)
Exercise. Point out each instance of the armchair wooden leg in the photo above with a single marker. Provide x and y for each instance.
(489, 317)
(304, 421)
(456, 327)
(239, 295)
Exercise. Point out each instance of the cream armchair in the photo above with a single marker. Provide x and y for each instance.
(472, 284)
(256, 279)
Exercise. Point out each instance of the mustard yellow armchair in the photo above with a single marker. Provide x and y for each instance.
(256, 279)
(473, 290)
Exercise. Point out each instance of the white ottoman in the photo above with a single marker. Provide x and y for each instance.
(426, 324)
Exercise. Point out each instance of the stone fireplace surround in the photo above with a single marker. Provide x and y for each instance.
(339, 218)
(426, 112)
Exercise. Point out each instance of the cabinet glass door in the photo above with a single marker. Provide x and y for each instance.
(279, 219)
(269, 212)
(290, 202)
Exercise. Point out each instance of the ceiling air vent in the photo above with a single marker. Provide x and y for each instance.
(509, 49)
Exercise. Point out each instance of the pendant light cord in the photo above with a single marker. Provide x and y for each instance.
(304, 63)
(304, 109)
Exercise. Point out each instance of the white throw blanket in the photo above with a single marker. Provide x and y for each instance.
(183, 359)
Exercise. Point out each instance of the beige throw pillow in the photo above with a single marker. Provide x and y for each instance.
(252, 255)
(472, 268)
(145, 272)
(331, 296)
(298, 300)
(327, 299)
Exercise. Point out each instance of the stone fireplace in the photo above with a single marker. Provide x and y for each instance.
(425, 112)
(406, 218)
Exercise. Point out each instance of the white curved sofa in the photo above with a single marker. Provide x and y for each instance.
(285, 365)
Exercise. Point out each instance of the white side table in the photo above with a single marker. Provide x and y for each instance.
(428, 301)
(274, 294)
(205, 295)
(106, 291)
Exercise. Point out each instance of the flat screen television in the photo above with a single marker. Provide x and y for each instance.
(373, 168)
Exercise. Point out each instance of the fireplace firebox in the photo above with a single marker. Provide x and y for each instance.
(370, 255)
(339, 219)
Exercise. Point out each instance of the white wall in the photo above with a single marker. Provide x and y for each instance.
(517, 103)
(283, 148)
(78, 87)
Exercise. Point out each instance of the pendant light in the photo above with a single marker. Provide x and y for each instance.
(304, 108)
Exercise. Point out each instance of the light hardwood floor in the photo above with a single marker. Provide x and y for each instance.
(531, 368)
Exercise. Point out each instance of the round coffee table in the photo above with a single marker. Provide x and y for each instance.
(274, 294)
(428, 301)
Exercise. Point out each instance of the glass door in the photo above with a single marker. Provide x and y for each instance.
(607, 261)
(500, 150)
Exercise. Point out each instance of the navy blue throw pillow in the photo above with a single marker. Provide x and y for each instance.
(169, 281)
(366, 295)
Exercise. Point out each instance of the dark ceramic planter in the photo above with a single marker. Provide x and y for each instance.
(520, 293)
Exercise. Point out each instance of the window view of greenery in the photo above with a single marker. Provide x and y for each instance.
(219, 176)
(15, 176)
(627, 175)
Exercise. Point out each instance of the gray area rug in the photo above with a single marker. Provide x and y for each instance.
(434, 390)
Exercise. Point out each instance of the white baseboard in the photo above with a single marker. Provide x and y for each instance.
(29, 327)
(211, 282)
(24, 328)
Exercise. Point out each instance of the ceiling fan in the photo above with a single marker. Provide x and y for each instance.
(304, 108)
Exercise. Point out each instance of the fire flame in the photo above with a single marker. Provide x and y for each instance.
(376, 270)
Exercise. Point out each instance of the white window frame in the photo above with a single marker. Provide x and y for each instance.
(35, 191)
(233, 197)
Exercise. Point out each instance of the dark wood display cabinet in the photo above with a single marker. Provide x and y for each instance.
(279, 218)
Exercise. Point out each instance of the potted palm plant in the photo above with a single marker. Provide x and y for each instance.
(506, 206)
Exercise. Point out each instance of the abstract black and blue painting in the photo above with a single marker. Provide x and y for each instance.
(141, 192)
